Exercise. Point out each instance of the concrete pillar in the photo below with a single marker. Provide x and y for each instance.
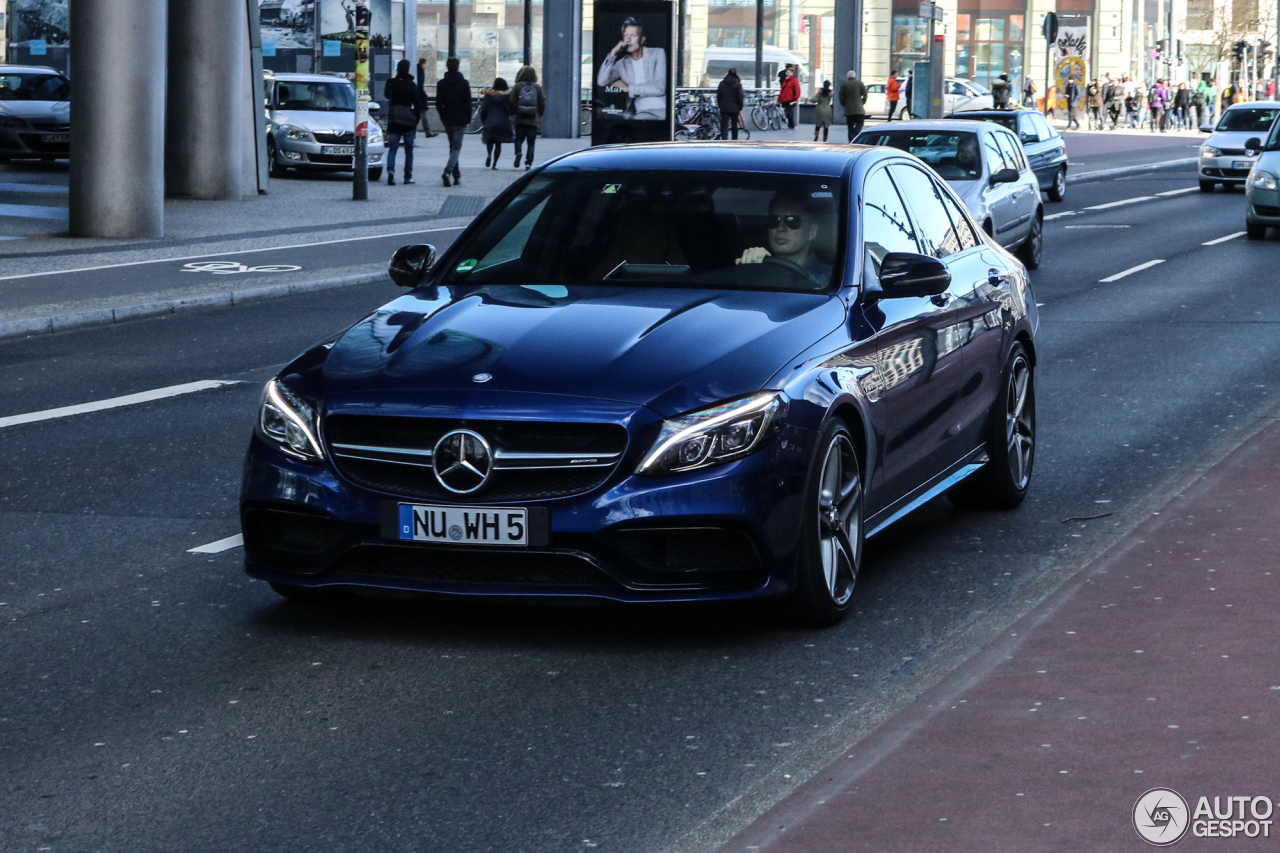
(210, 101)
(847, 50)
(117, 119)
(562, 68)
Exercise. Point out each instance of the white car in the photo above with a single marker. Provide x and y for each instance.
(958, 96)
(35, 113)
(1224, 158)
(311, 122)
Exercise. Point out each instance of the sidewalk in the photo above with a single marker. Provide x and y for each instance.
(1155, 667)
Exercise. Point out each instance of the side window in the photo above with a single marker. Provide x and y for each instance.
(1043, 130)
(992, 154)
(1027, 129)
(885, 225)
(964, 231)
(1012, 152)
(936, 232)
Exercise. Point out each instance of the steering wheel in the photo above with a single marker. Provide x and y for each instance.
(789, 266)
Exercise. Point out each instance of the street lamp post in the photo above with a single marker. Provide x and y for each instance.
(360, 186)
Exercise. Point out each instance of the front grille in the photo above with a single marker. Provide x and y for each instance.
(36, 143)
(331, 159)
(455, 566)
(394, 456)
(51, 126)
(1231, 152)
(347, 138)
(1267, 210)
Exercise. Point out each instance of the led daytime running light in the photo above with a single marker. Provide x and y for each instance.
(287, 405)
(768, 407)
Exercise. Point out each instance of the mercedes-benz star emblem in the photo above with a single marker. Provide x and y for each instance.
(482, 377)
(462, 461)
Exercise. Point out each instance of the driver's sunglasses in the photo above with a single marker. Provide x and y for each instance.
(793, 223)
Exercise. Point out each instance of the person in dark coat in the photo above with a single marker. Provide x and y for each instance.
(495, 120)
(406, 104)
(1000, 90)
(527, 120)
(422, 86)
(853, 100)
(453, 103)
(730, 100)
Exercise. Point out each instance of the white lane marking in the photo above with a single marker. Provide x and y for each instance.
(1223, 239)
(117, 402)
(219, 546)
(33, 211)
(1179, 192)
(224, 254)
(1060, 215)
(1095, 226)
(1121, 203)
(1130, 271)
(7, 187)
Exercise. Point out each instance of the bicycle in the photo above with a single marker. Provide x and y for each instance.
(767, 113)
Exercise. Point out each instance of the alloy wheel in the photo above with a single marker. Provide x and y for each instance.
(840, 519)
(1020, 424)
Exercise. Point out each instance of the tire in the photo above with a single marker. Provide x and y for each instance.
(1058, 191)
(776, 120)
(275, 168)
(1030, 251)
(830, 553)
(585, 116)
(375, 175)
(1255, 230)
(759, 118)
(1011, 442)
(1206, 186)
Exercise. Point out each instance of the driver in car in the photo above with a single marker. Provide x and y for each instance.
(792, 230)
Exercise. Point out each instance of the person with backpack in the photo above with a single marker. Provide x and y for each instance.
(730, 100)
(453, 103)
(1029, 94)
(1000, 92)
(406, 105)
(495, 120)
(529, 103)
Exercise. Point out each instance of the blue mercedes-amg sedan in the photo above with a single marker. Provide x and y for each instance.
(652, 374)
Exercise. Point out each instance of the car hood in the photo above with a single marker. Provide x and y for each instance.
(59, 111)
(1233, 138)
(673, 350)
(318, 120)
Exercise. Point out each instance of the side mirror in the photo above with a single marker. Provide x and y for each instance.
(373, 106)
(1206, 128)
(909, 274)
(1004, 176)
(1253, 146)
(410, 264)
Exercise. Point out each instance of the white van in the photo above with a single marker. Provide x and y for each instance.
(719, 60)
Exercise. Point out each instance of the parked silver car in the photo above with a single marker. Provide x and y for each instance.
(1225, 158)
(1262, 189)
(311, 125)
(35, 113)
(986, 166)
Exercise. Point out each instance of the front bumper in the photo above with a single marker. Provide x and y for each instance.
(36, 140)
(1229, 169)
(724, 533)
(301, 154)
(1263, 206)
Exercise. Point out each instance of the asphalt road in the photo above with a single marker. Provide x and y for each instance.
(157, 700)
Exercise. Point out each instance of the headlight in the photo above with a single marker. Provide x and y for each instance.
(11, 121)
(1262, 180)
(287, 422)
(299, 133)
(1210, 151)
(375, 132)
(720, 434)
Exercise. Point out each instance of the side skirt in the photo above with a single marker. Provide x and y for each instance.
(908, 503)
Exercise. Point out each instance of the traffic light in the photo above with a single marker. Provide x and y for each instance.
(1237, 51)
(1264, 51)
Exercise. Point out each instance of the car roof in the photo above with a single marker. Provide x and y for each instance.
(29, 68)
(1255, 105)
(293, 77)
(769, 157)
(950, 124)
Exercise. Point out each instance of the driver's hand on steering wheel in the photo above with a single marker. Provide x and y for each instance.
(754, 255)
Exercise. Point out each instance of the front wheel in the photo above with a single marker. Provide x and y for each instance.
(1255, 230)
(275, 168)
(1206, 186)
(759, 118)
(1029, 252)
(1011, 442)
(1058, 191)
(831, 544)
(375, 175)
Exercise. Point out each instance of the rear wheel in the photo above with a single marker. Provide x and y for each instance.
(759, 118)
(1058, 191)
(831, 544)
(1029, 252)
(1206, 186)
(1011, 442)
(1255, 230)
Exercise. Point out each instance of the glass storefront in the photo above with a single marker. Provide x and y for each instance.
(490, 39)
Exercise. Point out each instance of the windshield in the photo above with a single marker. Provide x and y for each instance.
(733, 230)
(34, 86)
(954, 155)
(1010, 121)
(1249, 120)
(321, 97)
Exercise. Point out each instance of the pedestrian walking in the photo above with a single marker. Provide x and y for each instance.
(1156, 102)
(822, 111)
(1140, 95)
(422, 87)
(788, 97)
(853, 100)
(1000, 92)
(496, 113)
(453, 103)
(1182, 106)
(529, 102)
(1113, 98)
(405, 107)
(1200, 99)
(1093, 97)
(1073, 94)
(892, 91)
(1029, 94)
(906, 94)
(730, 100)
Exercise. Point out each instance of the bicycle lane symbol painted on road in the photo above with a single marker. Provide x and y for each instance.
(231, 267)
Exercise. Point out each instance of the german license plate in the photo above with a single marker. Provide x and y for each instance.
(463, 525)
(1242, 164)
(337, 149)
(56, 138)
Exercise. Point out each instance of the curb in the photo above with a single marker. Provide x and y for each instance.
(107, 316)
(1086, 177)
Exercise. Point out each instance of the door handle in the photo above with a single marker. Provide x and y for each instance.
(995, 278)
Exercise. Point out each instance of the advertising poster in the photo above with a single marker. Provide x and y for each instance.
(338, 22)
(288, 24)
(44, 21)
(1071, 55)
(633, 77)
